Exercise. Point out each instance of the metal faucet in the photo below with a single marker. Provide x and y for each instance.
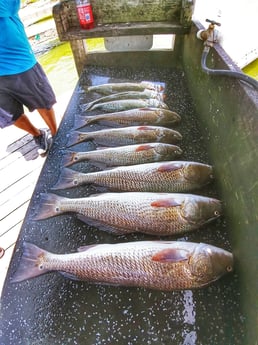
(211, 35)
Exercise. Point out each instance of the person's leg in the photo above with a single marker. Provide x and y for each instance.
(41, 136)
(24, 123)
(48, 116)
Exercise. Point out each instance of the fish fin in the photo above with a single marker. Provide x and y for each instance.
(100, 165)
(144, 147)
(170, 255)
(103, 148)
(67, 179)
(69, 275)
(170, 166)
(144, 128)
(76, 137)
(31, 263)
(48, 206)
(103, 226)
(170, 202)
(85, 248)
(80, 121)
(68, 158)
(146, 109)
(89, 105)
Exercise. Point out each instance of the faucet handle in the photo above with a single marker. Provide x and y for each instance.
(213, 22)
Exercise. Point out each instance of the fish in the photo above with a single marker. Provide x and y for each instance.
(126, 104)
(128, 212)
(158, 265)
(146, 94)
(125, 155)
(126, 136)
(109, 88)
(171, 177)
(133, 117)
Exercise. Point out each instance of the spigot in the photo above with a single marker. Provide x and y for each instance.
(210, 35)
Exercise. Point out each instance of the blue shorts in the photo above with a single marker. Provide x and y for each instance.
(30, 88)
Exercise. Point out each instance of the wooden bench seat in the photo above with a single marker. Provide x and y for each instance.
(121, 18)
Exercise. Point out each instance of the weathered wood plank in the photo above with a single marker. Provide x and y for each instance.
(124, 29)
(11, 220)
(27, 181)
(27, 152)
(5, 260)
(16, 170)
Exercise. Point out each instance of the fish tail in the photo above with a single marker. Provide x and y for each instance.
(82, 121)
(68, 158)
(67, 179)
(49, 206)
(31, 263)
(75, 138)
(89, 105)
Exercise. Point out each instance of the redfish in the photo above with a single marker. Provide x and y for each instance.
(159, 265)
(125, 155)
(173, 176)
(133, 117)
(128, 212)
(146, 94)
(109, 88)
(125, 104)
(127, 136)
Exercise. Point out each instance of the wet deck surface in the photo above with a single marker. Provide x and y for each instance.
(52, 309)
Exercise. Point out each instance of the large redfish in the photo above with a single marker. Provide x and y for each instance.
(123, 213)
(127, 136)
(174, 176)
(125, 155)
(156, 265)
(133, 117)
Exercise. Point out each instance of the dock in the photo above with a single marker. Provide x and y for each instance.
(20, 167)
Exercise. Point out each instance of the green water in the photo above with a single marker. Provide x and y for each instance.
(58, 63)
(60, 68)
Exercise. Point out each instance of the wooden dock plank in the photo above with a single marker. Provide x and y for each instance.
(20, 167)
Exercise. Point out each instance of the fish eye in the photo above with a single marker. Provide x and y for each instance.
(75, 182)
(57, 209)
(229, 268)
(41, 267)
(75, 158)
(216, 213)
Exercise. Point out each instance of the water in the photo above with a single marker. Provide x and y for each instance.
(53, 310)
(59, 66)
